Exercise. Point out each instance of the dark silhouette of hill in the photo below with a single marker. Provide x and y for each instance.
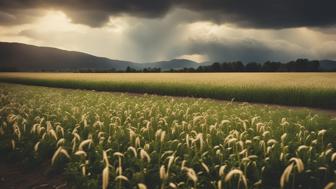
(23, 57)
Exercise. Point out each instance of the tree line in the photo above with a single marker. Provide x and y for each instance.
(299, 65)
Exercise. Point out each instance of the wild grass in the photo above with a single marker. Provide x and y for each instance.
(104, 140)
(296, 89)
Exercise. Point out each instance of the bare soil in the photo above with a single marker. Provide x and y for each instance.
(328, 112)
(15, 177)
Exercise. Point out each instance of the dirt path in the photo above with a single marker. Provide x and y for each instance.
(329, 112)
(15, 177)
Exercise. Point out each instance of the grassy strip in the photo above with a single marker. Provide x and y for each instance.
(295, 96)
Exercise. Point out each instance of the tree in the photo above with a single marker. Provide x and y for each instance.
(215, 67)
(252, 67)
(129, 69)
(237, 66)
(271, 66)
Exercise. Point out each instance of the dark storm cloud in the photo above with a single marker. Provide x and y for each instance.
(18, 16)
(89, 12)
(245, 50)
(249, 13)
(268, 13)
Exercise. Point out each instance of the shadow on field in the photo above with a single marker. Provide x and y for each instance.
(14, 176)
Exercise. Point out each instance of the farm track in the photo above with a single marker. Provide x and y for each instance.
(329, 112)
(13, 176)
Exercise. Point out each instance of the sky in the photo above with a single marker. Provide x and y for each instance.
(154, 30)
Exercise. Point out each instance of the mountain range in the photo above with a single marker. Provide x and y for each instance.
(23, 57)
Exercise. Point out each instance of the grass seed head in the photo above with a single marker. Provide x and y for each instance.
(142, 186)
(144, 155)
(163, 173)
(81, 153)
(36, 146)
(122, 178)
(84, 143)
(285, 175)
(238, 172)
(58, 152)
(299, 164)
(330, 185)
(191, 174)
(333, 157)
(60, 142)
(105, 177)
(172, 185)
(206, 168)
(133, 150)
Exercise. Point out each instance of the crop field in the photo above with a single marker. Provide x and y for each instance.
(296, 89)
(118, 140)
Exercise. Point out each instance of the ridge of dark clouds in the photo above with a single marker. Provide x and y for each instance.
(245, 51)
(245, 13)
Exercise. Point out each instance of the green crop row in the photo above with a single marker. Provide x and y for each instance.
(295, 95)
(104, 140)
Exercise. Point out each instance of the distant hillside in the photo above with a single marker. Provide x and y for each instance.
(328, 65)
(23, 57)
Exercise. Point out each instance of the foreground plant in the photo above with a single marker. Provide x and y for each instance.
(122, 141)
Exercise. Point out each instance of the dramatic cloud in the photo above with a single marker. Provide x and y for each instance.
(92, 13)
(154, 30)
(267, 13)
(19, 16)
(247, 13)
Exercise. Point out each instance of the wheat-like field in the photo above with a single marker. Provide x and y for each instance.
(279, 80)
(297, 89)
(104, 140)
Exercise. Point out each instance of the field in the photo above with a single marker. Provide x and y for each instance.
(296, 89)
(119, 140)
